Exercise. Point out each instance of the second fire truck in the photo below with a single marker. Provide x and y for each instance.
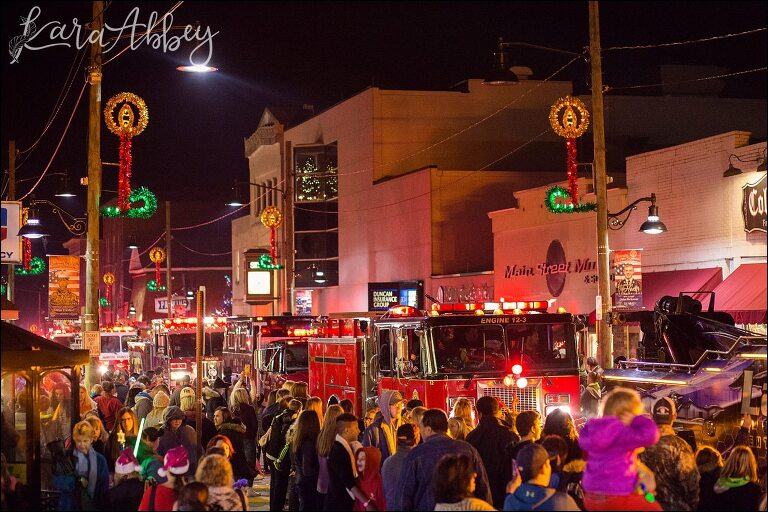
(176, 343)
(506, 350)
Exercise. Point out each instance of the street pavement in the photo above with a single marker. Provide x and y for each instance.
(260, 502)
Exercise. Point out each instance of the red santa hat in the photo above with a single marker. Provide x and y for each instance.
(126, 462)
(175, 462)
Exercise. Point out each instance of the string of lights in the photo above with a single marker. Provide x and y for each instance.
(55, 151)
(713, 77)
(201, 253)
(451, 184)
(691, 41)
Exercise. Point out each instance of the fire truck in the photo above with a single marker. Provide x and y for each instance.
(176, 341)
(117, 345)
(280, 350)
(502, 349)
(713, 371)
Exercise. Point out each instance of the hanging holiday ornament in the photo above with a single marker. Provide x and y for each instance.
(127, 126)
(153, 287)
(157, 255)
(265, 263)
(146, 210)
(109, 280)
(31, 266)
(271, 217)
(569, 118)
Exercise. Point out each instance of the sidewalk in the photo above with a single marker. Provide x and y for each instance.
(260, 502)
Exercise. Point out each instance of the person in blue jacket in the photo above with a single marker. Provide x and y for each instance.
(84, 486)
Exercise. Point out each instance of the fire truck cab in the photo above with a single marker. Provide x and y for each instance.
(504, 350)
(176, 339)
(117, 343)
(279, 352)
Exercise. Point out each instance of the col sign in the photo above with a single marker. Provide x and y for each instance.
(11, 223)
(753, 206)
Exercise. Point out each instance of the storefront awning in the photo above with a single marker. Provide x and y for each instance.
(658, 284)
(743, 294)
(9, 310)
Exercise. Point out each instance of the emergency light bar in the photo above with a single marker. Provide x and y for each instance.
(118, 328)
(176, 323)
(497, 308)
(300, 331)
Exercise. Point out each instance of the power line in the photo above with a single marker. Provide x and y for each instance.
(725, 75)
(691, 41)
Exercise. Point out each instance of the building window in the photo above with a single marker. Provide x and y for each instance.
(316, 170)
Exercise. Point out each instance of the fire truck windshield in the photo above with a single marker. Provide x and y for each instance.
(470, 348)
(542, 346)
(110, 343)
(183, 344)
(296, 357)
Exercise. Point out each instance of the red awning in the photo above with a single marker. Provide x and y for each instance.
(658, 284)
(743, 294)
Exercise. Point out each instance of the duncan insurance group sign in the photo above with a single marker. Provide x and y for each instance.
(11, 222)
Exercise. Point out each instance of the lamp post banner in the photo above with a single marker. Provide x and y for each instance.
(64, 287)
(628, 277)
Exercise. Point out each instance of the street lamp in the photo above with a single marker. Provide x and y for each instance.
(66, 190)
(238, 196)
(735, 171)
(132, 244)
(34, 229)
(652, 226)
(501, 74)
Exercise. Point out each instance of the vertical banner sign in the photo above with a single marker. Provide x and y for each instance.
(754, 204)
(629, 279)
(11, 223)
(64, 287)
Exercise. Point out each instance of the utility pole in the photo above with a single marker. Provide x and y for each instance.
(604, 332)
(290, 279)
(11, 197)
(90, 320)
(168, 288)
(199, 342)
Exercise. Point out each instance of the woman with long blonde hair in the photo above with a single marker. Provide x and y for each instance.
(315, 403)
(462, 409)
(324, 444)
(738, 487)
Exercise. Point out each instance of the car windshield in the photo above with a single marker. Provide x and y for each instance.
(296, 357)
(542, 346)
(469, 348)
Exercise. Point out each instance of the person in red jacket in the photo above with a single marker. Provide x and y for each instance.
(108, 405)
(368, 460)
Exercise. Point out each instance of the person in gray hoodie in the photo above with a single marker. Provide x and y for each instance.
(390, 470)
(382, 432)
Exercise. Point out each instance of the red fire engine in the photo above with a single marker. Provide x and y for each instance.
(176, 339)
(504, 350)
(280, 351)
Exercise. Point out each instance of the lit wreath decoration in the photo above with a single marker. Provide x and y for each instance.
(145, 211)
(157, 255)
(128, 125)
(109, 280)
(569, 118)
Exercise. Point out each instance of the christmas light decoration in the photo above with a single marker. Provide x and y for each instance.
(3, 288)
(271, 217)
(152, 286)
(145, 211)
(104, 302)
(36, 267)
(109, 280)
(157, 256)
(265, 263)
(128, 125)
(566, 206)
(569, 118)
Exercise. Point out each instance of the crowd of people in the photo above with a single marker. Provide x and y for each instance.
(135, 447)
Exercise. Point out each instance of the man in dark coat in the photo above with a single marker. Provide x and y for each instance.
(415, 490)
(342, 469)
(488, 438)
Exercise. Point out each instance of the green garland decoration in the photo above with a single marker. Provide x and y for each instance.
(3, 289)
(145, 211)
(152, 286)
(558, 192)
(265, 263)
(36, 267)
(103, 302)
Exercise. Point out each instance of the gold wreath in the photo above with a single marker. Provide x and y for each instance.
(564, 119)
(271, 217)
(109, 278)
(127, 123)
(157, 255)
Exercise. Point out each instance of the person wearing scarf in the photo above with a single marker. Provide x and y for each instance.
(738, 487)
(368, 460)
(343, 489)
(91, 473)
(382, 433)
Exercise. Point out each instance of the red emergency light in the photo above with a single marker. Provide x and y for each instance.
(503, 307)
(176, 323)
(404, 311)
(301, 331)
